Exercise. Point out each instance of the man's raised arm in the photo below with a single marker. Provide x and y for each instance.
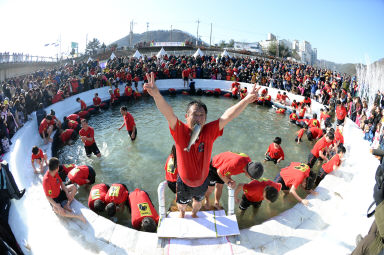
(161, 104)
(236, 109)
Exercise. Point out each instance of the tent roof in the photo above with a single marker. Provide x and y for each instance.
(161, 53)
(225, 53)
(137, 54)
(113, 56)
(198, 53)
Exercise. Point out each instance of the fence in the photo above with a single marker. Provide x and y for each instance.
(21, 58)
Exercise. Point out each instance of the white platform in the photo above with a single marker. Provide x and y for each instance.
(209, 224)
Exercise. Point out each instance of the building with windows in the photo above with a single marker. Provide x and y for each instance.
(252, 47)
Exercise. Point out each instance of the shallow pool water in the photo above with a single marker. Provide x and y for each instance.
(140, 164)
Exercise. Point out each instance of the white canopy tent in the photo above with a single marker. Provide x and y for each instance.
(225, 54)
(113, 56)
(137, 54)
(161, 53)
(198, 53)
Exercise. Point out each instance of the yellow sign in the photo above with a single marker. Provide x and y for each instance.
(74, 171)
(114, 191)
(302, 167)
(95, 194)
(170, 168)
(144, 209)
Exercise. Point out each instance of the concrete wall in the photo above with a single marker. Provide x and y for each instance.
(9, 70)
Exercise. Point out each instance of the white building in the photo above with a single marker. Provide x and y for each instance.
(252, 47)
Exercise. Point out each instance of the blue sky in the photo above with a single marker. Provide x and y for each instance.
(342, 31)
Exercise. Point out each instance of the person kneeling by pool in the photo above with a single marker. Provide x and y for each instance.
(82, 175)
(274, 152)
(223, 166)
(295, 175)
(255, 192)
(116, 198)
(96, 198)
(143, 214)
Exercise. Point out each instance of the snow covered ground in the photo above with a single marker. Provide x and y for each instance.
(329, 225)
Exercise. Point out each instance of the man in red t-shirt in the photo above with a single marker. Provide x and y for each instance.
(83, 106)
(58, 194)
(66, 136)
(45, 129)
(274, 153)
(40, 158)
(129, 123)
(82, 175)
(341, 113)
(143, 214)
(116, 198)
(314, 133)
(255, 192)
(332, 165)
(320, 149)
(185, 76)
(87, 135)
(293, 117)
(96, 101)
(295, 175)
(223, 166)
(300, 133)
(193, 164)
(96, 198)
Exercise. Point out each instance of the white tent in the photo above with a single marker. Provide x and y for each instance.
(198, 53)
(225, 54)
(137, 55)
(113, 56)
(161, 53)
(89, 59)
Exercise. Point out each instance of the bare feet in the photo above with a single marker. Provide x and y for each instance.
(68, 207)
(194, 215)
(217, 206)
(82, 218)
(182, 214)
(206, 207)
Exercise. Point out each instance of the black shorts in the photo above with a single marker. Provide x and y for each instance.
(130, 134)
(91, 175)
(184, 193)
(309, 136)
(74, 135)
(340, 122)
(213, 176)
(321, 174)
(61, 198)
(172, 186)
(311, 160)
(46, 134)
(91, 149)
(279, 179)
(268, 158)
(185, 78)
(245, 203)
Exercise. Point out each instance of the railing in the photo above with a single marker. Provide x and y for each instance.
(24, 58)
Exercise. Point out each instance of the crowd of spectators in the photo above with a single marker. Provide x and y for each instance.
(20, 96)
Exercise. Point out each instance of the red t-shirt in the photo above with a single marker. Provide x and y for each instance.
(319, 146)
(339, 136)
(116, 92)
(278, 97)
(39, 155)
(128, 91)
(254, 190)
(314, 123)
(83, 106)
(68, 167)
(66, 135)
(193, 166)
(341, 112)
(316, 132)
(302, 112)
(96, 101)
(294, 174)
(89, 133)
(72, 124)
(293, 116)
(141, 207)
(98, 191)
(116, 194)
(229, 163)
(129, 122)
(275, 153)
(324, 116)
(170, 170)
(51, 185)
(334, 161)
(73, 117)
(79, 174)
(43, 126)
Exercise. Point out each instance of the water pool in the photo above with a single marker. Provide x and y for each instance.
(141, 164)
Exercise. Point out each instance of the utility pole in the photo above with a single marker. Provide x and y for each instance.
(277, 48)
(210, 37)
(147, 32)
(197, 34)
(131, 33)
(171, 34)
(86, 42)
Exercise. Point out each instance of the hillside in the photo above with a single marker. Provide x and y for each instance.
(342, 68)
(157, 36)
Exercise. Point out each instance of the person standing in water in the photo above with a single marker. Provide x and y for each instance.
(193, 163)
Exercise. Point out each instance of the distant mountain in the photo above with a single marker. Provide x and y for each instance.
(157, 36)
(348, 68)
